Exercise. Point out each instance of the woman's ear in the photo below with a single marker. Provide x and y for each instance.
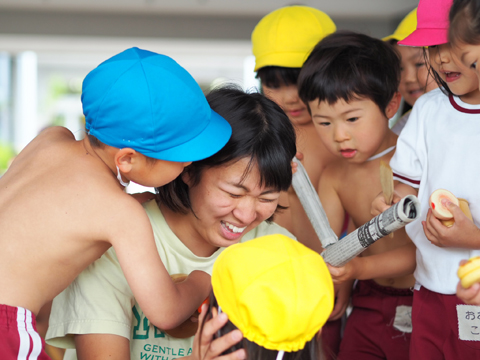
(393, 105)
(125, 159)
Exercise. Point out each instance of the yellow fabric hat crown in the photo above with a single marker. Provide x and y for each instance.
(285, 37)
(405, 28)
(275, 290)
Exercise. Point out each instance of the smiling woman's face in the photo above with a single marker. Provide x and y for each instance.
(228, 204)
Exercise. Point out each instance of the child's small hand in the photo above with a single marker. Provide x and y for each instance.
(299, 156)
(470, 296)
(294, 167)
(342, 299)
(462, 234)
(206, 348)
(379, 204)
(344, 273)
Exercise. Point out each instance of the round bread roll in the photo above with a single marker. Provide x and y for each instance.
(439, 210)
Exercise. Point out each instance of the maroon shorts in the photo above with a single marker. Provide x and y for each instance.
(435, 328)
(369, 332)
(331, 338)
(19, 339)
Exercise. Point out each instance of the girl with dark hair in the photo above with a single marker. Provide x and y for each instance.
(464, 33)
(216, 202)
(435, 150)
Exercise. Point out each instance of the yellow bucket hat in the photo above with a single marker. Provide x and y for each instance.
(285, 37)
(405, 28)
(275, 290)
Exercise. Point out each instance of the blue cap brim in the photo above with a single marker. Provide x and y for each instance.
(205, 144)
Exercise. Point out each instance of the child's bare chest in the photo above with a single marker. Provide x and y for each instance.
(357, 191)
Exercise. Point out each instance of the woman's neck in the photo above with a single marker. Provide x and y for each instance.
(182, 226)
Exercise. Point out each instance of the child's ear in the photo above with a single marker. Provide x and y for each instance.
(393, 105)
(187, 179)
(125, 159)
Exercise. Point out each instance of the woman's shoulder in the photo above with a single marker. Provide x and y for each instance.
(155, 215)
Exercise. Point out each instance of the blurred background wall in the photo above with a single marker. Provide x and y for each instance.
(48, 46)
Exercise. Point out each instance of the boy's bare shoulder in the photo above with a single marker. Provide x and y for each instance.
(48, 144)
(107, 196)
(334, 173)
(125, 206)
(112, 214)
(55, 133)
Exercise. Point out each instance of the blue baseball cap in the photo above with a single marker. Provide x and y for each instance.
(146, 101)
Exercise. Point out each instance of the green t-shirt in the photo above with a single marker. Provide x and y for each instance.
(100, 300)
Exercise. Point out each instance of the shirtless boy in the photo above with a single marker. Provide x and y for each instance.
(62, 203)
(350, 84)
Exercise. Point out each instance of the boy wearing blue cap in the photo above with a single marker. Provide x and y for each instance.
(62, 203)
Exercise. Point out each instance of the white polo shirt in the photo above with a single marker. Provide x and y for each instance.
(440, 148)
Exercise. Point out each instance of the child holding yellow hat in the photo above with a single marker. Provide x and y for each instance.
(281, 42)
(415, 80)
(276, 291)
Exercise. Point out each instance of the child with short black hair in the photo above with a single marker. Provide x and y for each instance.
(350, 84)
(281, 42)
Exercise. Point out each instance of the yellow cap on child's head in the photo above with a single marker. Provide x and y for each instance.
(285, 37)
(405, 28)
(278, 292)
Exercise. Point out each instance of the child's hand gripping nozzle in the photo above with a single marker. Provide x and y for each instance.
(392, 219)
(338, 253)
